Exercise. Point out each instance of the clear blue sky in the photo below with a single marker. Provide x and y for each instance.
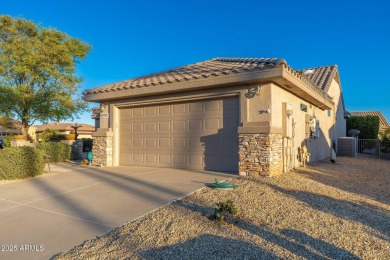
(133, 38)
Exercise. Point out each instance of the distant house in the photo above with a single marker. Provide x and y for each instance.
(15, 128)
(84, 131)
(382, 120)
(250, 116)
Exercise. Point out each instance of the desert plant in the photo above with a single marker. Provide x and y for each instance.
(84, 162)
(224, 207)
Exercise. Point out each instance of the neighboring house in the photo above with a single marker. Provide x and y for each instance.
(250, 116)
(15, 129)
(84, 131)
(382, 120)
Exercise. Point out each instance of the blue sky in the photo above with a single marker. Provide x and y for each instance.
(133, 38)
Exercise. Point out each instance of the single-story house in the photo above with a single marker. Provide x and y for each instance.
(83, 130)
(382, 120)
(250, 116)
(15, 128)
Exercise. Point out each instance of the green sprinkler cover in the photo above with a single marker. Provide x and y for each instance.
(224, 185)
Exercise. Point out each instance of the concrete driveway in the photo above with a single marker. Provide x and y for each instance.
(42, 216)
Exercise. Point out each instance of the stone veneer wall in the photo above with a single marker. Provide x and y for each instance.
(260, 154)
(102, 150)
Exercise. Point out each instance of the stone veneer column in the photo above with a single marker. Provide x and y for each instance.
(260, 154)
(102, 148)
(77, 148)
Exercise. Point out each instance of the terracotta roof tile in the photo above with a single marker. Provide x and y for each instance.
(321, 76)
(382, 120)
(205, 69)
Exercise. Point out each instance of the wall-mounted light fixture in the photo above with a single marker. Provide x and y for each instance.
(289, 112)
(253, 91)
(266, 111)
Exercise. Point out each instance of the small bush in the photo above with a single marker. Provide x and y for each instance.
(7, 141)
(56, 152)
(224, 207)
(84, 162)
(51, 135)
(21, 162)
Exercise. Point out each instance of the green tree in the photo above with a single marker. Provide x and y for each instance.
(368, 126)
(37, 73)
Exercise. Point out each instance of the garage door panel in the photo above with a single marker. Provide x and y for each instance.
(179, 125)
(180, 159)
(195, 135)
(137, 112)
(164, 110)
(164, 126)
(164, 159)
(151, 158)
(138, 158)
(150, 111)
(212, 124)
(179, 109)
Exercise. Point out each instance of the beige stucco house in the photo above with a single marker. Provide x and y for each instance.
(240, 115)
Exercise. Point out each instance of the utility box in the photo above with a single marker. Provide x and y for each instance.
(347, 146)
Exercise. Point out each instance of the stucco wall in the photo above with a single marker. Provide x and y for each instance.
(319, 148)
(340, 121)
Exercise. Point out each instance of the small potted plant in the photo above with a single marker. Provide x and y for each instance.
(70, 136)
(19, 137)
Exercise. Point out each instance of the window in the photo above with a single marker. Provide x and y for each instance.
(303, 108)
(329, 112)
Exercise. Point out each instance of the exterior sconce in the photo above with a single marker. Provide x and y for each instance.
(289, 113)
(266, 111)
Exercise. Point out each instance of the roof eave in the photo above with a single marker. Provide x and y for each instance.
(293, 82)
(283, 76)
(210, 82)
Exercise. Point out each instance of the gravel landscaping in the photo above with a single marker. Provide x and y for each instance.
(323, 211)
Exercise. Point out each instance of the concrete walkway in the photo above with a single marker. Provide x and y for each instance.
(42, 216)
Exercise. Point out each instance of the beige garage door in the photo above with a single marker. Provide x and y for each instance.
(195, 135)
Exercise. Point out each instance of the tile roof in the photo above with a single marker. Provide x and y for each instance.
(321, 76)
(16, 127)
(382, 120)
(206, 69)
(65, 127)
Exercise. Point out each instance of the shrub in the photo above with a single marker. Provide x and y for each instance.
(51, 135)
(87, 144)
(368, 126)
(56, 152)
(21, 162)
(84, 162)
(7, 141)
(227, 206)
